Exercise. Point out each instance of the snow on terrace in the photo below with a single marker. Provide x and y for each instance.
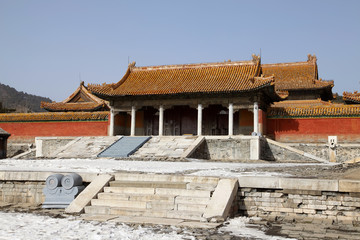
(195, 167)
(29, 226)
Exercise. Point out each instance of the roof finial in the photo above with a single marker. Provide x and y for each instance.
(312, 58)
(256, 58)
(131, 65)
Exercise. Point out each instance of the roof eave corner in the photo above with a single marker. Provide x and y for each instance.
(123, 79)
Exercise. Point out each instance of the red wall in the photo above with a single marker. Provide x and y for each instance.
(314, 129)
(30, 130)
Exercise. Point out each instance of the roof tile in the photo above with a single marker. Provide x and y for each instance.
(81, 100)
(295, 75)
(54, 116)
(351, 97)
(188, 78)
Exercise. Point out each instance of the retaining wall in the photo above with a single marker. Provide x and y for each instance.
(45, 146)
(271, 198)
(27, 187)
(228, 148)
(344, 151)
(300, 200)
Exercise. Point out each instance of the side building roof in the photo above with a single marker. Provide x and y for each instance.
(81, 100)
(351, 98)
(296, 76)
(221, 77)
(311, 109)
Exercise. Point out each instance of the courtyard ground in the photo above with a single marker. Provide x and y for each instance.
(21, 222)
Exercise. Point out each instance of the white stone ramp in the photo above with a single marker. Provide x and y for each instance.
(84, 147)
(169, 199)
(166, 146)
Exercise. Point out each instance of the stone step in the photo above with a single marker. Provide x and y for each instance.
(129, 190)
(114, 196)
(190, 207)
(188, 215)
(155, 205)
(118, 203)
(174, 214)
(192, 200)
(148, 184)
(151, 202)
(158, 191)
(136, 197)
(165, 178)
(183, 192)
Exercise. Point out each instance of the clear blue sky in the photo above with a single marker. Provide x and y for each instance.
(44, 45)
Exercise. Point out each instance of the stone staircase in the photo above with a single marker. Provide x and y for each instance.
(162, 197)
(167, 146)
(84, 147)
(124, 147)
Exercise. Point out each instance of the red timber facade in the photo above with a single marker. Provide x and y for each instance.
(198, 99)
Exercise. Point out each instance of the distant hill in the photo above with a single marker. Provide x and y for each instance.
(12, 99)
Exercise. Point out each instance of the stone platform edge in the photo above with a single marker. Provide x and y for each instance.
(269, 182)
(40, 176)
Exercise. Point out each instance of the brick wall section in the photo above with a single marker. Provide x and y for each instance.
(300, 205)
(29, 130)
(22, 192)
(314, 129)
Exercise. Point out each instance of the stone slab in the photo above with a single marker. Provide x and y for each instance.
(97, 217)
(38, 176)
(148, 184)
(222, 199)
(349, 185)
(258, 182)
(164, 177)
(309, 184)
(192, 200)
(84, 198)
(182, 192)
(129, 190)
(118, 203)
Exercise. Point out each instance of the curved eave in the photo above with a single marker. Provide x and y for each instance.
(307, 88)
(178, 93)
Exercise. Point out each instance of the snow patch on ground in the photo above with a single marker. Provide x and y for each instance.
(203, 168)
(29, 226)
(240, 227)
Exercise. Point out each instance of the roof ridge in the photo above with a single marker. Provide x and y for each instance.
(312, 59)
(195, 65)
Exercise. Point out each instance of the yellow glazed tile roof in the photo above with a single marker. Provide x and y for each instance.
(295, 75)
(188, 78)
(301, 103)
(80, 100)
(351, 97)
(54, 116)
(314, 111)
(72, 107)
